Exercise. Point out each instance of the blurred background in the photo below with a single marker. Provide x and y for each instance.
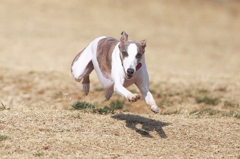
(190, 36)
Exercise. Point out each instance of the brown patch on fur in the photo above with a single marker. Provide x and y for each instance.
(104, 55)
(141, 48)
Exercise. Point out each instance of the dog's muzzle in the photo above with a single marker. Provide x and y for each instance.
(130, 71)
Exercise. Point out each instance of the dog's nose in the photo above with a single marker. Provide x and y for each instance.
(130, 71)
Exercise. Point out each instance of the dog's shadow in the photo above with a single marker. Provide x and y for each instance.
(147, 124)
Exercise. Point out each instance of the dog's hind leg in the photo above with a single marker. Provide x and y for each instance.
(108, 94)
(82, 66)
(86, 85)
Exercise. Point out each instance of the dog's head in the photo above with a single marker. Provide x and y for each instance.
(131, 53)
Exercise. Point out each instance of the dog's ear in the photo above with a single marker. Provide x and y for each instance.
(124, 37)
(143, 43)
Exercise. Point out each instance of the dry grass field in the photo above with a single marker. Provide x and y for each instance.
(193, 59)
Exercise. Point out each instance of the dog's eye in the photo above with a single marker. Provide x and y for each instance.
(138, 55)
(124, 53)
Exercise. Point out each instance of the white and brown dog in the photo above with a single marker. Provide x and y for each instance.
(118, 65)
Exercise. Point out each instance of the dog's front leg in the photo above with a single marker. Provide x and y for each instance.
(119, 89)
(147, 95)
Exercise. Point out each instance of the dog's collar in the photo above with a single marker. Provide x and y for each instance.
(139, 65)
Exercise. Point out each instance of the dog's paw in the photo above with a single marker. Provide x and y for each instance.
(86, 88)
(108, 95)
(155, 109)
(133, 97)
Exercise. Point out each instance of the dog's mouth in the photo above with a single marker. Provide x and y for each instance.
(128, 76)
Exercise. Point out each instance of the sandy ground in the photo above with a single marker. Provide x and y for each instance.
(192, 51)
(66, 134)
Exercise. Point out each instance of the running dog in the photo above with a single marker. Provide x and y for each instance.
(118, 64)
